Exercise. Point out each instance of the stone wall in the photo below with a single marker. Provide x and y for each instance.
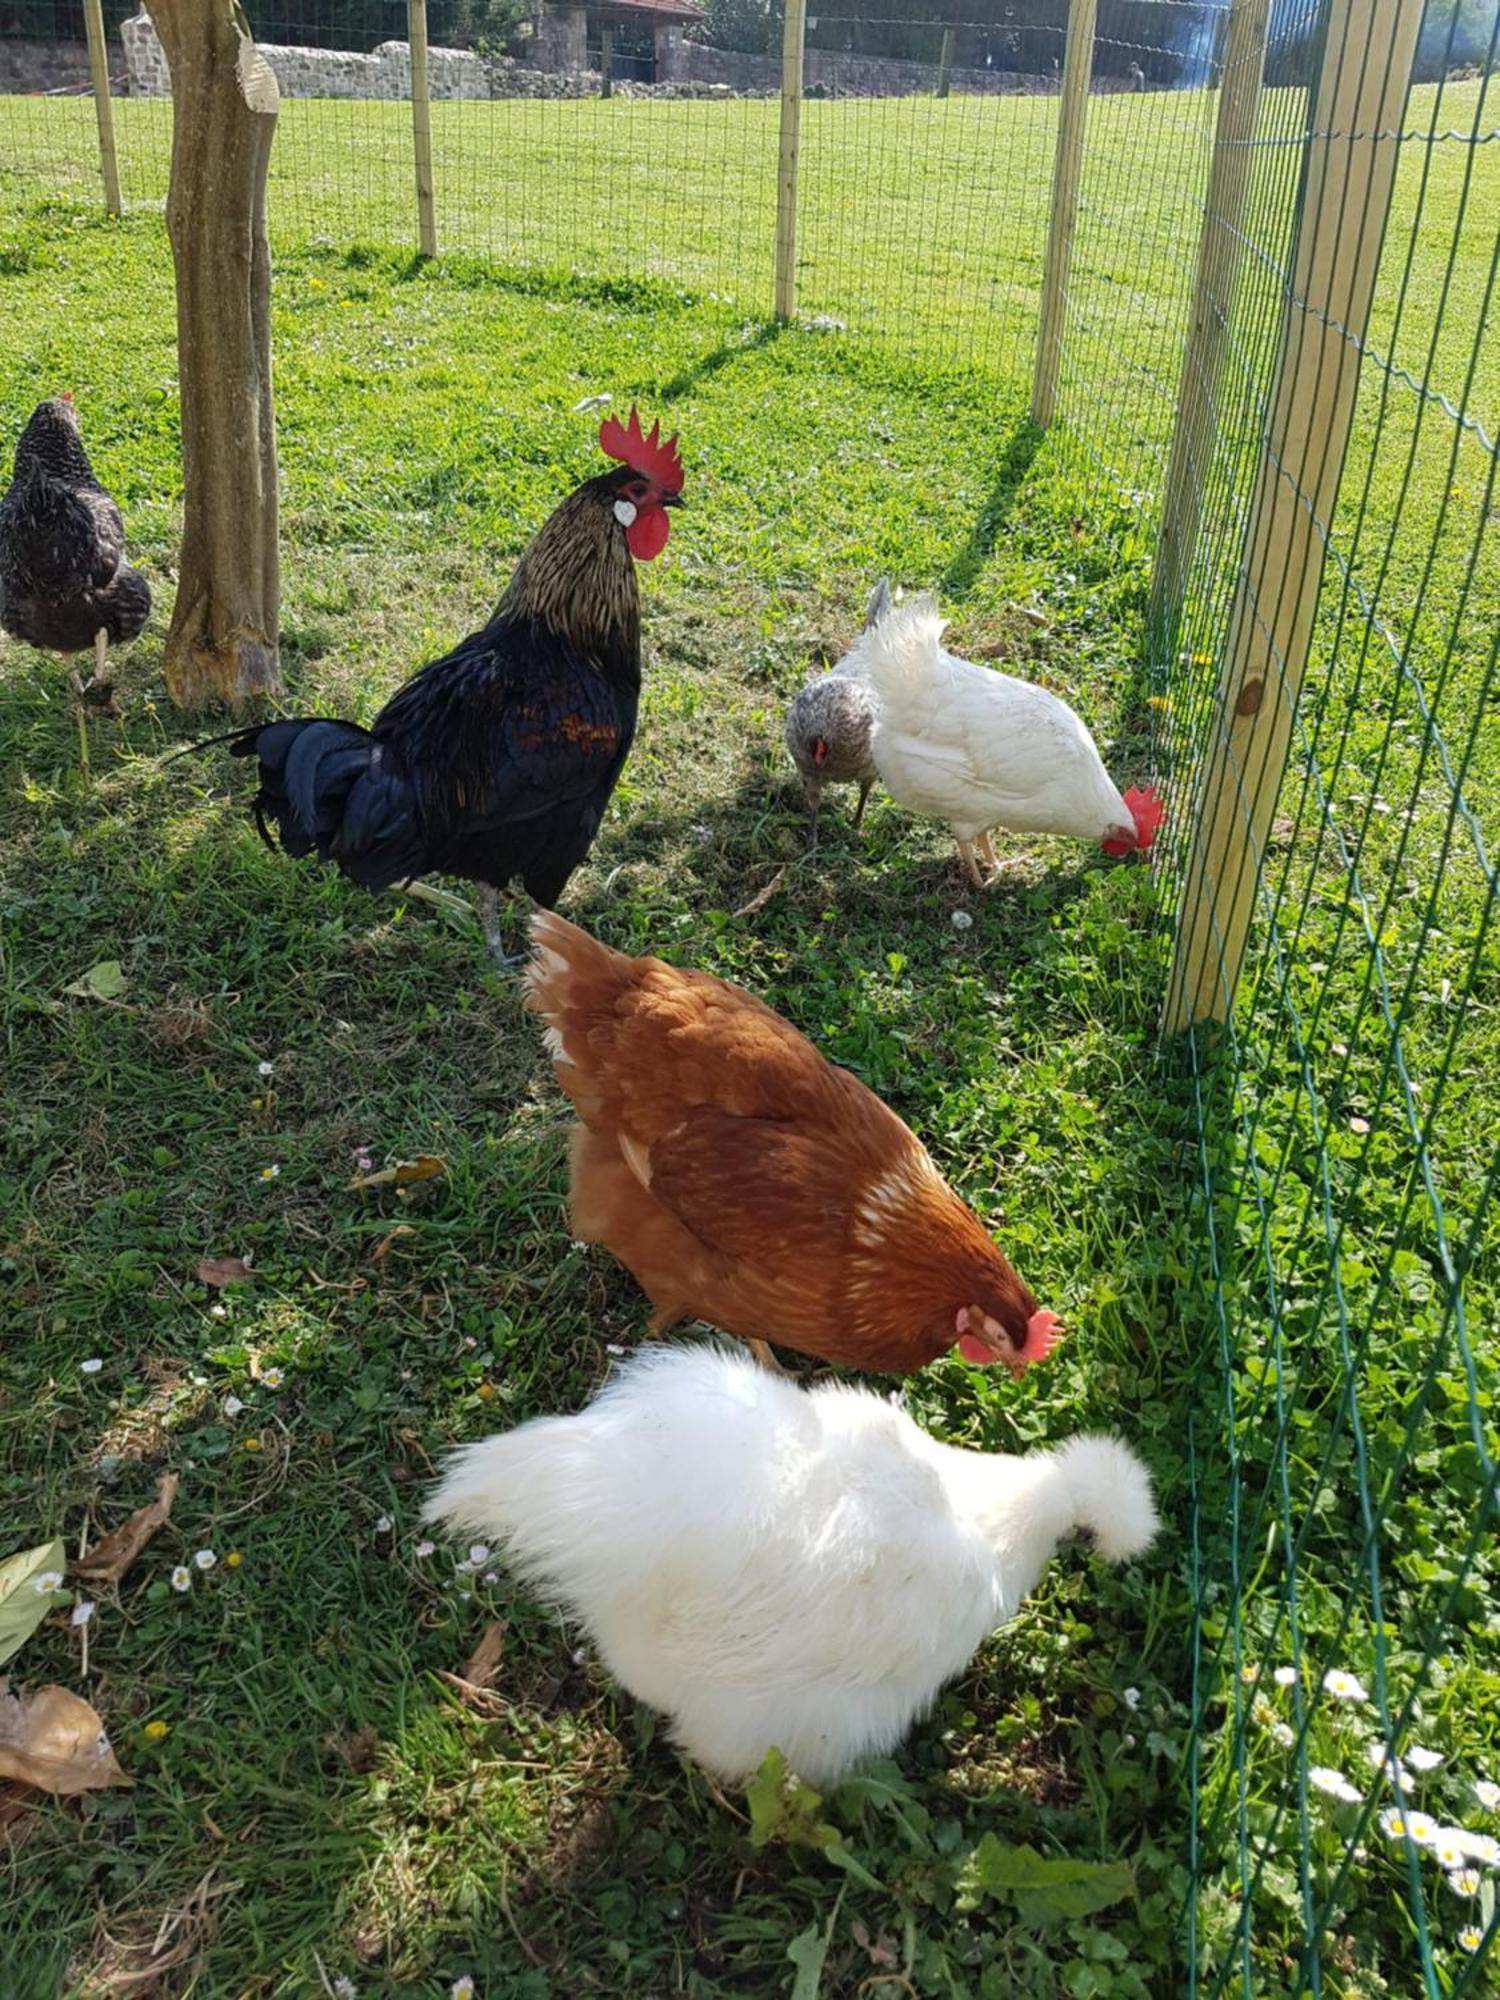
(695, 71)
(30, 67)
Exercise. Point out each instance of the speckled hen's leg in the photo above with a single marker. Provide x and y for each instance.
(101, 654)
(966, 853)
(864, 800)
(75, 679)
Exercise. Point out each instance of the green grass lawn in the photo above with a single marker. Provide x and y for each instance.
(322, 1805)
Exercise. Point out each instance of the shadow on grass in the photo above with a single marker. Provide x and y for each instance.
(964, 571)
(719, 357)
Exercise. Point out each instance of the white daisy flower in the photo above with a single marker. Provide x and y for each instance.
(91, 1366)
(425, 1548)
(1250, 1675)
(270, 1173)
(462, 1987)
(265, 1069)
(204, 1559)
(232, 1406)
(83, 1611)
(1344, 1687)
(272, 1378)
(1480, 1847)
(1420, 1759)
(1464, 1881)
(478, 1554)
(383, 1525)
(961, 920)
(1447, 1852)
(1414, 1826)
(182, 1578)
(1487, 1794)
(1333, 1785)
(1132, 1699)
(1469, 1938)
(1283, 1734)
(48, 1583)
(344, 1988)
(1285, 1677)
(218, 1311)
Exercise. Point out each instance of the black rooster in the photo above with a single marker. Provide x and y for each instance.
(64, 582)
(496, 761)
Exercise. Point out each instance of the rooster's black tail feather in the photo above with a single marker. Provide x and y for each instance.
(328, 787)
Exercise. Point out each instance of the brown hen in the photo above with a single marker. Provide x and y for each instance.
(746, 1181)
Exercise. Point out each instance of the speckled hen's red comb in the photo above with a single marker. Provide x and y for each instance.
(646, 455)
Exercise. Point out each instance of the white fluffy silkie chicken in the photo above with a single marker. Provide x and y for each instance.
(773, 1567)
(981, 749)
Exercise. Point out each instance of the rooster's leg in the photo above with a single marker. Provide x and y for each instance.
(987, 850)
(762, 1352)
(489, 916)
(966, 854)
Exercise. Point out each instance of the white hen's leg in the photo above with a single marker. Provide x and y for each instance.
(966, 854)
(987, 851)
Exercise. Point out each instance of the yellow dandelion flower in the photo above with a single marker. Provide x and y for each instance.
(485, 1391)
(155, 1732)
(233, 1559)
(252, 1444)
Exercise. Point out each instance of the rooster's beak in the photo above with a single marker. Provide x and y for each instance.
(672, 500)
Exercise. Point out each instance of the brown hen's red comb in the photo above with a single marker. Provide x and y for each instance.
(646, 455)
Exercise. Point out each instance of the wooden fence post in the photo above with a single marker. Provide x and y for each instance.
(793, 35)
(1067, 166)
(421, 126)
(1220, 254)
(606, 61)
(945, 64)
(104, 111)
(1348, 173)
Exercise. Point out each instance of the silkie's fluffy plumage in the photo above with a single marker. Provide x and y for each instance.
(981, 749)
(748, 1182)
(498, 760)
(64, 580)
(780, 1568)
(829, 727)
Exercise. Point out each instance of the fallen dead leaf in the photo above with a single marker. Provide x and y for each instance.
(383, 1247)
(475, 1686)
(1030, 613)
(55, 1741)
(16, 1821)
(762, 896)
(221, 1271)
(484, 1662)
(358, 1749)
(425, 1167)
(108, 1560)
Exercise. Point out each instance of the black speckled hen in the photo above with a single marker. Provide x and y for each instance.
(65, 585)
(497, 761)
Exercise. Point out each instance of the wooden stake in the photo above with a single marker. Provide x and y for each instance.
(1350, 168)
(421, 126)
(793, 35)
(607, 61)
(104, 111)
(1067, 167)
(1220, 254)
(945, 63)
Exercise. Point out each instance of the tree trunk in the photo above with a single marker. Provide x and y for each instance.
(223, 641)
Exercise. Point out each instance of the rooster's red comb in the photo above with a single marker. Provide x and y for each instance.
(646, 455)
(1148, 809)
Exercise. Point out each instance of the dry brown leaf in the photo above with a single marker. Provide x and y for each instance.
(425, 1167)
(221, 1271)
(108, 1560)
(17, 1822)
(484, 1662)
(55, 1740)
(359, 1749)
(1030, 613)
(762, 896)
(383, 1247)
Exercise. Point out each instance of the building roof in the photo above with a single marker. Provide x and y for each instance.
(644, 10)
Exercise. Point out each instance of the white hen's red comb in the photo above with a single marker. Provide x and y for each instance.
(646, 455)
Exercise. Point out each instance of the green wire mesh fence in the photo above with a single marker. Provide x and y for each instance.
(1260, 314)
